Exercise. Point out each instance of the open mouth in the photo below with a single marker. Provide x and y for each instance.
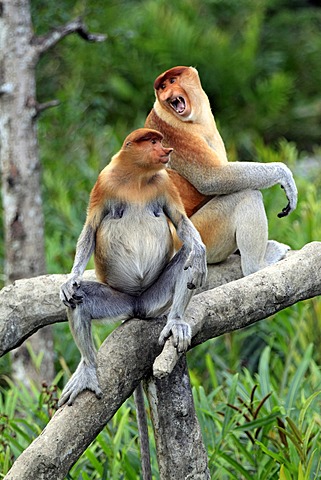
(179, 105)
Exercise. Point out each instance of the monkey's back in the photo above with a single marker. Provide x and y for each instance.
(133, 246)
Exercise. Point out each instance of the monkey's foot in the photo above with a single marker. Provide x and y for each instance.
(181, 332)
(275, 251)
(84, 378)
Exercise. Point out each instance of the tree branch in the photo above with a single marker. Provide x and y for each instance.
(44, 42)
(120, 363)
(30, 304)
(40, 107)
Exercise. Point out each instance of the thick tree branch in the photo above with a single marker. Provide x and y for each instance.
(30, 304)
(120, 362)
(44, 42)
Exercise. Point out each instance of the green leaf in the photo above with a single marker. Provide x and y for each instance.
(284, 473)
(295, 429)
(276, 456)
(229, 459)
(306, 406)
(261, 422)
(230, 400)
(211, 370)
(296, 383)
(120, 429)
(309, 466)
(301, 475)
(264, 374)
(240, 447)
(295, 442)
(92, 457)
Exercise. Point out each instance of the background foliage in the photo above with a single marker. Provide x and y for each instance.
(257, 391)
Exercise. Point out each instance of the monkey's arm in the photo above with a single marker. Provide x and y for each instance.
(236, 176)
(84, 250)
(191, 273)
(192, 240)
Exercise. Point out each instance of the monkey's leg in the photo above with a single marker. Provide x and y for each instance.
(175, 325)
(170, 293)
(93, 301)
(251, 231)
(238, 220)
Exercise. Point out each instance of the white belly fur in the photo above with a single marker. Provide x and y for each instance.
(138, 246)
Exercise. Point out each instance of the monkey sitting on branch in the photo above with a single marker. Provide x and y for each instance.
(139, 275)
(222, 198)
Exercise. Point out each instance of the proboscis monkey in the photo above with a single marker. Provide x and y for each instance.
(222, 198)
(127, 229)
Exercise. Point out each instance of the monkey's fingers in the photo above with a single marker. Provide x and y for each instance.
(77, 298)
(285, 211)
(291, 192)
(68, 304)
(198, 274)
(69, 289)
(72, 302)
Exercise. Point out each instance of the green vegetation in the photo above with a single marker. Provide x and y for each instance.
(257, 391)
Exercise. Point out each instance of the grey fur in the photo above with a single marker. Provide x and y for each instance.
(143, 281)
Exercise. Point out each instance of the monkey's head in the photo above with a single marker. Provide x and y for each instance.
(143, 149)
(180, 93)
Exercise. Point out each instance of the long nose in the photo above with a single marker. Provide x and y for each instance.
(167, 151)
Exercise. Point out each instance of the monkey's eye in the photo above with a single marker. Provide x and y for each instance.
(153, 141)
(172, 80)
(163, 86)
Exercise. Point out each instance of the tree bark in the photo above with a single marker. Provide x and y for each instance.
(121, 364)
(28, 305)
(19, 157)
(180, 451)
(23, 217)
(21, 172)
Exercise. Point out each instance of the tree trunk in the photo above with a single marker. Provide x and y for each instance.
(21, 173)
(23, 217)
(19, 159)
(181, 454)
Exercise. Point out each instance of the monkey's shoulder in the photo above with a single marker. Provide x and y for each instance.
(131, 187)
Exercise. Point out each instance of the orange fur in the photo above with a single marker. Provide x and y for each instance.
(191, 133)
(135, 174)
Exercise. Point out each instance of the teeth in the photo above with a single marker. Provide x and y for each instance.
(178, 104)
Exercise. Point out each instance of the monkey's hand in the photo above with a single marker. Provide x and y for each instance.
(68, 292)
(181, 332)
(288, 184)
(84, 378)
(196, 262)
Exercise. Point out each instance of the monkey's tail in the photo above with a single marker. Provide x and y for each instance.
(143, 432)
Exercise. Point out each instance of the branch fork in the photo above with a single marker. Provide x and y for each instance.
(43, 43)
